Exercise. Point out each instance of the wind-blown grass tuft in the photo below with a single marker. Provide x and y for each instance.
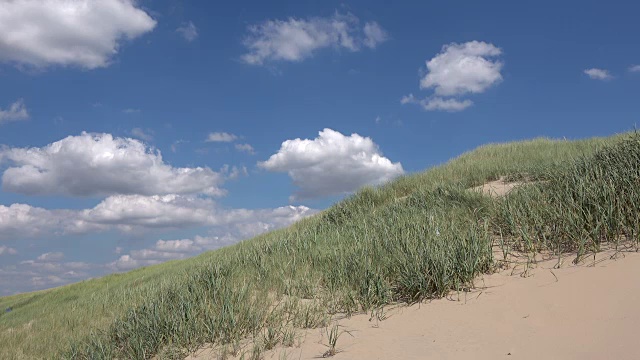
(593, 201)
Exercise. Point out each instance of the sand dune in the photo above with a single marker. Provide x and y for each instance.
(590, 311)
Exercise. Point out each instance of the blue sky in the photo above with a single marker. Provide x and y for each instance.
(133, 132)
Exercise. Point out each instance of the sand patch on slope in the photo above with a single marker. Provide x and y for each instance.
(498, 188)
(588, 311)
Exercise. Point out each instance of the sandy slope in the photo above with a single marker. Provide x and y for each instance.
(498, 188)
(576, 312)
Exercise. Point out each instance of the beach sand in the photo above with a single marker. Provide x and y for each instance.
(498, 188)
(588, 311)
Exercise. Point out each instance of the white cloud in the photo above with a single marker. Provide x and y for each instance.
(142, 134)
(28, 221)
(463, 68)
(598, 74)
(25, 221)
(45, 271)
(51, 262)
(51, 256)
(438, 103)
(37, 274)
(7, 250)
(47, 280)
(43, 279)
(99, 164)
(451, 105)
(374, 34)
(238, 225)
(137, 214)
(132, 212)
(188, 31)
(408, 99)
(234, 172)
(131, 111)
(269, 219)
(126, 213)
(297, 39)
(148, 254)
(188, 247)
(221, 137)
(184, 245)
(16, 111)
(68, 32)
(126, 262)
(245, 148)
(634, 68)
(332, 164)
(457, 70)
(225, 227)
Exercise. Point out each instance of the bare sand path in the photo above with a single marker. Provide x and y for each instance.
(576, 312)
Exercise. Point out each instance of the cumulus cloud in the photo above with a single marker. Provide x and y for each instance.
(598, 74)
(634, 68)
(5, 250)
(68, 32)
(245, 223)
(463, 68)
(332, 164)
(165, 250)
(28, 221)
(99, 164)
(221, 137)
(245, 148)
(131, 212)
(137, 214)
(188, 31)
(458, 69)
(297, 39)
(16, 111)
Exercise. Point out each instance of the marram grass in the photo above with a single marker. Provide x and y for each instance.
(416, 238)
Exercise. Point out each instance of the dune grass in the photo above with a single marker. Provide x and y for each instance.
(416, 238)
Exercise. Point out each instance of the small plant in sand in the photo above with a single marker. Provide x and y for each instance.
(256, 352)
(288, 337)
(333, 335)
(271, 337)
(379, 314)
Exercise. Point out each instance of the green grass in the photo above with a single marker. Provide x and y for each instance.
(416, 238)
